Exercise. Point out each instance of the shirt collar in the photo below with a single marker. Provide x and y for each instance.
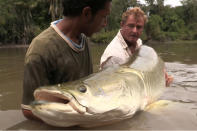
(73, 45)
(122, 41)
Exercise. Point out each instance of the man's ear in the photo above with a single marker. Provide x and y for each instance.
(87, 12)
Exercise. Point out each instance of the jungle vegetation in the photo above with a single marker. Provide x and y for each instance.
(22, 20)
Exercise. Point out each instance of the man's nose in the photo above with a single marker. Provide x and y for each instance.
(134, 29)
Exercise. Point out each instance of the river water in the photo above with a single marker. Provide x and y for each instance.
(179, 113)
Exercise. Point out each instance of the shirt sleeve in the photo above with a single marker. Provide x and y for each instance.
(35, 75)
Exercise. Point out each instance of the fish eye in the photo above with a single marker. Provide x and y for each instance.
(82, 89)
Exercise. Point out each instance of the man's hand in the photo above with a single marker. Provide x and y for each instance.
(169, 79)
(29, 115)
(26, 110)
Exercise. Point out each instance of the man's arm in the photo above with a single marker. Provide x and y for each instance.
(35, 75)
(112, 60)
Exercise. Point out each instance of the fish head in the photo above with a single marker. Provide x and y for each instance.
(87, 100)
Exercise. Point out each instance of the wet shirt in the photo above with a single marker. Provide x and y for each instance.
(52, 59)
(117, 52)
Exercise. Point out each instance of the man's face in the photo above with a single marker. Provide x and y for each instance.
(99, 20)
(131, 29)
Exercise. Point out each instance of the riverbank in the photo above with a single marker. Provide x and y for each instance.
(172, 42)
(148, 43)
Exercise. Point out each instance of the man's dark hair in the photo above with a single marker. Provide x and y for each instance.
(74, 7)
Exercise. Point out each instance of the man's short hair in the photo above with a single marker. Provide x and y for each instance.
(74, 7)
(136, 11)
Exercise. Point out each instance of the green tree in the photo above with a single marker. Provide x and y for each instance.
(118, 7)
(172, 22)
(17, 21)
(190, 11)
(153, 28)
(55, 9)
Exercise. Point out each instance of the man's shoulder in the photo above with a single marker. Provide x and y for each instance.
(43, 44)
(114, 49)
(114, 46)
(45, 37)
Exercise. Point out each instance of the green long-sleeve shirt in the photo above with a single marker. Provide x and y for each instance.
(50, 60)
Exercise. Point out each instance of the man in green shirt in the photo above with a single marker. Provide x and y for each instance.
(61, 53)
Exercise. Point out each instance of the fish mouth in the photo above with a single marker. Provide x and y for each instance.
(64, 99)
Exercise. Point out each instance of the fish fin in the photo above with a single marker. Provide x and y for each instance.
(158, 104)
(144, 59)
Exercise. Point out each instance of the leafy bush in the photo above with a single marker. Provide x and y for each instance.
(171, 35)
(153, 28)
(104, 37)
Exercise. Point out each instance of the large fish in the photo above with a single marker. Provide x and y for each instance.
(112, 95)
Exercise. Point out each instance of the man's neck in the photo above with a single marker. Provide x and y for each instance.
(70, 28)
(131, 44)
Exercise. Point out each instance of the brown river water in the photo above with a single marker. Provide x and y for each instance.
(176, 111)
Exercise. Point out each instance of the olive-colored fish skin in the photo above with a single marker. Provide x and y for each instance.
(112, 95)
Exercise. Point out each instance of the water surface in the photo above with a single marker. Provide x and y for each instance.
(180, 113)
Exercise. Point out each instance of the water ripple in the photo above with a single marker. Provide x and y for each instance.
(184, 75)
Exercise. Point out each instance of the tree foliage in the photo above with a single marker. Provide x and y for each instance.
(21, 20)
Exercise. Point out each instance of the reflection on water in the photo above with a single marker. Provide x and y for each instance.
(181, 63)
(11, 75)
(182, 53)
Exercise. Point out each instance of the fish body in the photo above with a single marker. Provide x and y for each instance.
(113, 94)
